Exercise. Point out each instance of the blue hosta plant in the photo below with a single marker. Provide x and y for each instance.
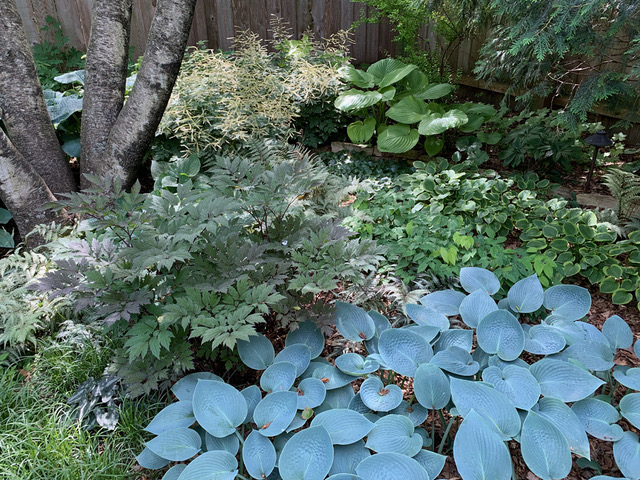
(525, 367)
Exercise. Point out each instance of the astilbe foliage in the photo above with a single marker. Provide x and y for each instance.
(207, 255)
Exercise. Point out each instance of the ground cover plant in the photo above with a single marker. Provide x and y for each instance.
(519, 366)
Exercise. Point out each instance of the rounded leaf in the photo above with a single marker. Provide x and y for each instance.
(558, 413)
(176, 445)
(229, 444)
(594, 356)
(298, 354)
(630, 408)
(311, 393)
(455, 360)
(258, 455)
(174, 472)
(403, 350)
(355, 364)
(398, 138)
(176, 415)
(216, 465)
(252, 395)
(626, 452)
(150, 460)
(256, 353)
(629, 377)
(337, 398)
(344, 426)
(476, 306)
(564, 380)
(426, 316)
(355, 99)
(500, 333)
(515, 383)
(544, 449)
(543, 340)
(378, 397)
(307, 334)
(446, 302)
(394, 433)
(598, 418)
(353, 322)
(474, 278)
(455, 338)
(391, 466)
(278, 377)
(408, 110)
(183, 388)
(307, 455)
(361, 131)
(332, 377)
(433, 92)
(347, 457)
(414, 412)
(570, 301)
(526, 296)
(435, 123)
(275, 412)
(432, 462)
(617, 332)
(431, 387)
(218, 407)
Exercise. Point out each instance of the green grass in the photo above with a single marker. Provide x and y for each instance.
(39, 441)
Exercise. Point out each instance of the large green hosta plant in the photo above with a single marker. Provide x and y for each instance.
(305, 421)
(390, 91)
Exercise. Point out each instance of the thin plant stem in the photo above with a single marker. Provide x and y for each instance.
(433, 431)
(240, 437)
(445, 436)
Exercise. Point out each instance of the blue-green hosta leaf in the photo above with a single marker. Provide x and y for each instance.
(308, 334)
(474, 278)
(435, 123)
(500, 332)
(298, 354)
(636, 348)
(426, 441)
(218, 407)
(71, 77)
(476, 306)
(174, 472)
(62, 107)
(403, 350)
(398, 138)
(432, 462)
(311, 393)
(394, 433)
(256, 353)
(332, 377)
(148, 459)
(183, 388)
(278, 377)
(356, 76)
(479, 452)
(629, 377)
(344, 476)
(176, 445)
(229, 444)
(630, 408)
(297, 422)
(426, 331)
(353, 322)
(347, 457)
(176, 415)
(543, 339)
(598, 418)
(408, 110)
(526, 295)
(252, 395)
(446, 302)
(258, 455)
(308, 455)
(216, 465)
(455, 360)
(558, 413)
(617, 332)
(355, 99)
(515, 383)
(564, 380)
(275, 412)
(414, 412)
(337, 398)
(355, 364)
(591, 333)
(455, 338)
(431, 387)
(570, 301)
(596, 357)
(391, 466)
(607, 477)
(545, 450)
(358, 405)
(381, 322)
(436, 91)
(360, 132)
(426, 316)
(496, 361)
(344, 426)
(489, 403)
(378, 397)
(626, 452)
(313, 366)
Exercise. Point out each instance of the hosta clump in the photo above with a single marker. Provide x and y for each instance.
(305, 421)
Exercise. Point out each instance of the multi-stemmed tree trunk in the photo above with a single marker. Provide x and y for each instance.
(115, 135)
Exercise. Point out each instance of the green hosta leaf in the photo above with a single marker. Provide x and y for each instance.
(176, 445)
(361, 131)
(299, 355)
(427, 316)
(489, 403)
(176, 415)
(183, 388)
(564, 380)
(489, 138)
(258, 455)
(446, 302)
(570, 301)
(388, 68)
(344, 426)
(307, 455)
(630, 408)
(598, 418)
(526, 296)
(73, 148)
(500, 333)
(218, 407)
(433, 145)
(275, 412)
(355, 364)
(479, 452)
(487, 111)
(621, 297)
(474, 278)
(278, 377)
(543, 340)
(395, 434)
(311, 393)
(388, 93)
(355, 99)
(353, 322)
(431, 387)
(435, 123)
(308, 334)
(390, 466)
(378, 397)
(358, 77)
(148, 459)
(436, 91)
(408, 110)
(626, 452)
(257, 352)
(216, 465)
(515, 383)
(558, 413)
(544, 449)
(398, 139)
(403, 350)
(617, 332)
(475, 307)
(347, 457)
(474, 123)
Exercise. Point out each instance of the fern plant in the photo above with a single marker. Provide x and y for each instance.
(625, 187)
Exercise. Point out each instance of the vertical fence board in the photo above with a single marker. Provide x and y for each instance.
(258, 18)
(199, 25)
(224, 20)
(358, 50)
(240, 15)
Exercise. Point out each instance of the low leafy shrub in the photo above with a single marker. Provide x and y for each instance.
(541, 368)
(205, 257)
(363, 166)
